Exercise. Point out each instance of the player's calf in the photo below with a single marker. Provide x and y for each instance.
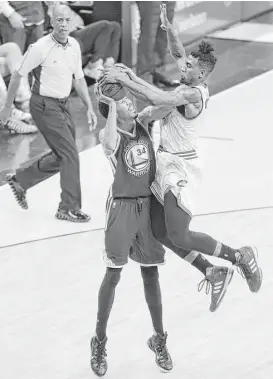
(98, 356)
(157, 343)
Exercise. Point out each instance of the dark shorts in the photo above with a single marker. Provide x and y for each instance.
(128, 233)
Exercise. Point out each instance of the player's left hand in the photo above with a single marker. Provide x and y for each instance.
(101, 96)
(165, 24)
(91, 119)
(114, 74)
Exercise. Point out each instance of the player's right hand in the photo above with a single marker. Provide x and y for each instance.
(127, 70)
(5, 113)
(101, 96)
(16, 20)
(165, 24)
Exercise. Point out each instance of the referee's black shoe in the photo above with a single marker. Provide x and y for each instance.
(72, 215)
(17, 190)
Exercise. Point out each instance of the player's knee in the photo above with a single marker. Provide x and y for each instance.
(180, 238)
(113, 275)
(149, 274)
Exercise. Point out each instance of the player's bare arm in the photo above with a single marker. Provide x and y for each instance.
(183, 95)
(131, 75)
(153, 113)
(109, 135)
(175, 46)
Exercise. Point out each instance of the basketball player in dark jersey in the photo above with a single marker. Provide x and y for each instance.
(129, 148)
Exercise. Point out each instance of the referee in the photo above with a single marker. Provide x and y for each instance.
(55, 61)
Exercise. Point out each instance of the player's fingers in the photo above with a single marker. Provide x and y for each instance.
(94, 118)
(89, 119)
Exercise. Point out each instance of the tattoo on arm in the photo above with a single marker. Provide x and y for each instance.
(175, 46)
(144, 91)
(181, 97)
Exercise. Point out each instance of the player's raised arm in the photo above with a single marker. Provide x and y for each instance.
(175, 46)
(108, 136)
(153, 95)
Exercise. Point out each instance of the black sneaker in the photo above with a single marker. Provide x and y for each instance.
(18, 191)
(72, 215)
(98, 356)
(157, 343)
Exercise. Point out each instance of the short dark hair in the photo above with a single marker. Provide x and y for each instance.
(104, 109)
(206, 58)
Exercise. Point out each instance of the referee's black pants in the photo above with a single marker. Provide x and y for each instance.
(54, 121)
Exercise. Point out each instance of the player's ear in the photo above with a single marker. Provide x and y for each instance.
(202, 73)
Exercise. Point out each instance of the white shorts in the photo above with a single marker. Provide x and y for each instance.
(180, 175)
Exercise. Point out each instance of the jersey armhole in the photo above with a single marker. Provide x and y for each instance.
(112, 153)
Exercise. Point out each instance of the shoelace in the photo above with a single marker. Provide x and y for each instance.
(246, 272)
(242, 269)
(80, 213)
(201, 285)
(161, 348)
(100, 352)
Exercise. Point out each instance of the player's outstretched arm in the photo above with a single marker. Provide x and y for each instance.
(174, 44)
(108, 136)
(153, 95)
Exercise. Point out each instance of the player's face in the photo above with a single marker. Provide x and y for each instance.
(126, 109)
(190, 73)
(61, 22)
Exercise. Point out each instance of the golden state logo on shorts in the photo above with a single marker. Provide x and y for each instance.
(137, 158)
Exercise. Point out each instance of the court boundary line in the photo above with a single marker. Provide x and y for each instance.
(102, 228)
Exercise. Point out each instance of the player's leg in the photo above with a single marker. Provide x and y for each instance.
(157, 342)
(10, 34)
(149, 19)
(113, 50)
(177, 223)
(150, 253)
(105, 303)
(120, 226)
(93, 40)
(159, 229)
(217, 277)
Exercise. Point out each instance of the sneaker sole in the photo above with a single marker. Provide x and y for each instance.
(24, 204)
(256, 256)
(71, 219)
(161, 368)
(96, 372)
(226, 284)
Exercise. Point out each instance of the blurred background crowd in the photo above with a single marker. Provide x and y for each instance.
(108, 32)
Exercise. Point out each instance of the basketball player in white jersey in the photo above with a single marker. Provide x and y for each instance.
(178, 164)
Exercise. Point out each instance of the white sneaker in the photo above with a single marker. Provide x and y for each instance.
(16, 126)
(94, 70)
(20, 115)
(109, 62)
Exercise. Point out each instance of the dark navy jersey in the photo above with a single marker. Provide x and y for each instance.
(133, 163)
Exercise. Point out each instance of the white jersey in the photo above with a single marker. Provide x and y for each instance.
(178, 161)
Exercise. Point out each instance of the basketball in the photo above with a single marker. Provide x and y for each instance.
(114, 90)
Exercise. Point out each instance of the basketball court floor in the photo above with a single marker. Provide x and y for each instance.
(50, 271)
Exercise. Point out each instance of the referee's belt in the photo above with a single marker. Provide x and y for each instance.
(190, 154)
